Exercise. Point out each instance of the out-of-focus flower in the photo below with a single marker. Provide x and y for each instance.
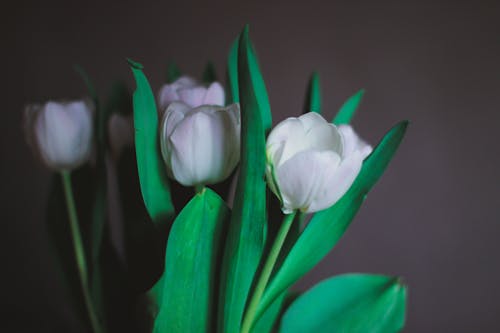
(60, 133)
(200, 145)
(190, 92)
(312, 163)
(121, 133)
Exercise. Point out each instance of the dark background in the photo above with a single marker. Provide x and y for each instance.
(434, 217)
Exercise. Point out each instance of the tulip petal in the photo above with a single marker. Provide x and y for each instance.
(167, 94)
(352, 142)
(308, 132)
(214, 94)
(192, 96)
(302, 177)
(336, 183)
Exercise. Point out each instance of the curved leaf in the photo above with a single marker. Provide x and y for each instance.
(348, 109)
(232, 95)
(355, 303)
(327, 226)
(256, 79)
(188, 283)
(313, 95)
(152, 171)
(245, 241)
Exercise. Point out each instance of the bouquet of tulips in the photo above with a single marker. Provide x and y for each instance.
(140, 253)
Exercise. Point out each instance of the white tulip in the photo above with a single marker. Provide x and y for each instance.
(353, 143)
(60, 133)
(190, 92)
(200, 145)
(312, 163)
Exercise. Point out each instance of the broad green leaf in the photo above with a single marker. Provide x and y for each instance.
(327, 226)
(354, 303)
(256, 78)
(348, 109)
(189, 280)
(245, 241)
(152, 171)
(173, 73)
(209, 73)
(313, 95)
(232, 94)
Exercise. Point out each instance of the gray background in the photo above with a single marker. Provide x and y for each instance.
(433, 218)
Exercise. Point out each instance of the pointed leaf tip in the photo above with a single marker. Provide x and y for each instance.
(135, 64)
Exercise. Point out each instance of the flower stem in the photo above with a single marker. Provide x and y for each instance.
(79, 250)
(266, 272)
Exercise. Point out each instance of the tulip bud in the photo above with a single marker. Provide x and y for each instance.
(200, 145)
(121, 133)
(60, 133)
(311, 163)
(190, 92)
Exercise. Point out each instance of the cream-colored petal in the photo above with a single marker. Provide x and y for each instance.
(352, 142)
(301, 177)
(193, 97)
(214, 94)
(336, 183)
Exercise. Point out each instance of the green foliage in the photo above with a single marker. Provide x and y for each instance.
(209, 73)
(173, 72)
(152, 171)
(313, 95)
(189, 280)
(256, 80)
(355, 303)
(245, 241)
(328, 226)
(348, 109)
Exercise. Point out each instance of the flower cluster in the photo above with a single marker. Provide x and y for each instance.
(196, 133)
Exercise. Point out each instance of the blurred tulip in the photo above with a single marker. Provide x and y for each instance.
(60, 133)
(190, 92)
(312, 163)
(121, 133)
(200, 145)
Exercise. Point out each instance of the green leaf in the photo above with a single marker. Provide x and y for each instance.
(349, 303)
(232, 95)
(98, 219)
(193, 247)
(268, 319)
(256, 78)
(348, 109)
(59, 233)
(209, 73)
(152, 171)
(313, 96)
(173, 72)
(245, 241)
(327, 226)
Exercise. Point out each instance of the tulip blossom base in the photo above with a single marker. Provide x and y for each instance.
(140, 217)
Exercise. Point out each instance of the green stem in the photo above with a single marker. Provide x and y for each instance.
(266, 272)
(79, 251)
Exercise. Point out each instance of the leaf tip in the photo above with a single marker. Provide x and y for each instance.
(135, 64)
